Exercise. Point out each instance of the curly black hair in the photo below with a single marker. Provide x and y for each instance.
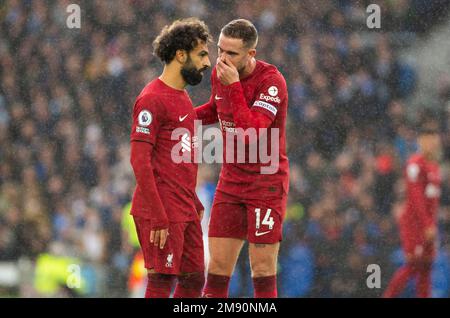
(183, 34)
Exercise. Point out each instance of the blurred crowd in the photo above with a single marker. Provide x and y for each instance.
(66, 97)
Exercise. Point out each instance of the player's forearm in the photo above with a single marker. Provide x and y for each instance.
(141, 162)
(207, 113)
(243, 117)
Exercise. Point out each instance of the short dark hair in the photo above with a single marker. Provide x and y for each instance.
(429, 122)
(429, 127)
(242, 29)
(183, 34)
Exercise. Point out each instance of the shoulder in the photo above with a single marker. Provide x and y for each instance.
(417, 159)
(148, 97)
(149, 101)
(269, 70)
(271, 86)
(414, 167)
(269, 73)
(213, 75)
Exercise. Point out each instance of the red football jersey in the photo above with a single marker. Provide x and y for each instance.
(423, 190)
(159, 109)
(264, 91)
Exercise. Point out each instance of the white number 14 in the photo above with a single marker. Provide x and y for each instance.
(268, 220)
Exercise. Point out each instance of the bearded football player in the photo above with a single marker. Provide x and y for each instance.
(165, 207)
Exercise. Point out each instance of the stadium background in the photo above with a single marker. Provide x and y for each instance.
(65, 102)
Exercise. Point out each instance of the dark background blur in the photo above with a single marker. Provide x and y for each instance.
(355, 93)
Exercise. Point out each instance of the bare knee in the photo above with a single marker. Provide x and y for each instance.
(263, 259)
(220, 266)
(223, 255)
(262, 268)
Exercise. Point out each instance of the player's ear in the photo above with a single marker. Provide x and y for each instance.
(181, 56)
(252, 52)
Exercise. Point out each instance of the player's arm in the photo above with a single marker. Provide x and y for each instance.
(207, 113)
(263, 112)
(146, 123)
(243, 117)
(417, 197)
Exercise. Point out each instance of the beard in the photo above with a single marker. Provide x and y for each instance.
(190, 74)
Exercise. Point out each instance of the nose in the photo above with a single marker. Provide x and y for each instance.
(207, 63)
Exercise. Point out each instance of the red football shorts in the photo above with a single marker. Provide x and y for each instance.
(258, 221)
(183, 252)
(413, 242)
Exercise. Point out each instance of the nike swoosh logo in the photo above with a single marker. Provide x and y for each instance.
(261, 233)
(218, 98)
(182, 118)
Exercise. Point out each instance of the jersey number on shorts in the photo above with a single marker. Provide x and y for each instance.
(268, 220)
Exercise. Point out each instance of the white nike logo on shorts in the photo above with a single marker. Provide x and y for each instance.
(182, 118)
(261, 233)
(217, 97)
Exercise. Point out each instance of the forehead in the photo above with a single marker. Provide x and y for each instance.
(230, 44)
(201, 46)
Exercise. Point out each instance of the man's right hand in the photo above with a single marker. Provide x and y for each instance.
(159, 237)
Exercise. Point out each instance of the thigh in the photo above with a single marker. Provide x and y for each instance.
(263, 259)
(411, 240)
(168, 259)
(265, 220)
(193, 257)
(228, 218)
(429, 251)
(224, 253)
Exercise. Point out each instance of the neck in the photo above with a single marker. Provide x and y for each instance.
(171, 76)
(249, 68)
(429, 156)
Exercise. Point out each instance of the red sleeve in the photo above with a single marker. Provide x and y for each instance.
(243, 116)
(270, 94)
(207, 113)
(415, 175)
(141, 162)
(147, 119)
